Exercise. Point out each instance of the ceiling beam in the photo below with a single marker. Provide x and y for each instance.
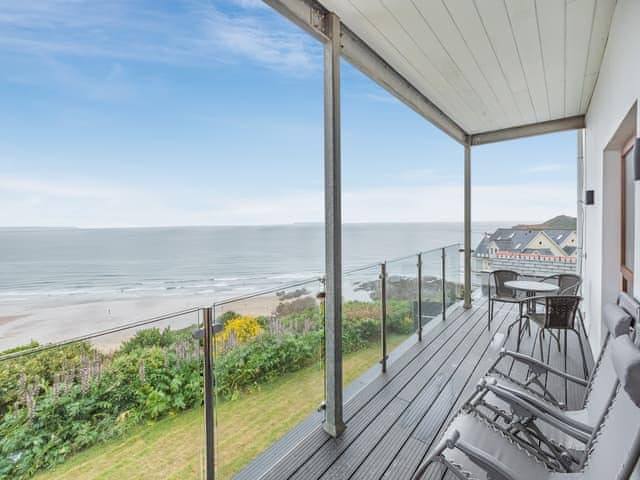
(541, 128)
(311, 16)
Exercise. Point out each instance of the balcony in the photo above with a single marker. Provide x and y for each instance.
(395, 419)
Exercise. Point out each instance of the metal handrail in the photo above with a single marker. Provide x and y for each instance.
(223, 302)
(100, 333)
(267, 291)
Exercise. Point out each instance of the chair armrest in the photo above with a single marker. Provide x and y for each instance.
(495, 469)
(539, 367)
(524, 409)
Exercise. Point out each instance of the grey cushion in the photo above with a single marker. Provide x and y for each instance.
(626, 361)
(630, 304)
(617, 320)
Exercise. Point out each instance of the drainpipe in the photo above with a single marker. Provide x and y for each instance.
(580, 210)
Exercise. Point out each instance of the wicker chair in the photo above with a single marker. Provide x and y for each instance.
(569, 284)
(560, 315)
(502, 293)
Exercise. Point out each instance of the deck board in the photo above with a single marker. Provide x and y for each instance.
(395, 420)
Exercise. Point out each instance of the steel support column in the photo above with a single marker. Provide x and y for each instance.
(467, 226)
(207, 324)
(334, 423)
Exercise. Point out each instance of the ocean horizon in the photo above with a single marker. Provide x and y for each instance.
(69, 264)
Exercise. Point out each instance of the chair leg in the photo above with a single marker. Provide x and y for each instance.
(584, 358)
(540, 337)
(566, 383)
(519, 333)
(565, 351)
(489, 315)
(584, 332)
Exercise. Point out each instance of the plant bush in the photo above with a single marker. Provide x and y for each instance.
(260, 361)
(97, 400)
(59, 401)
(242, 329)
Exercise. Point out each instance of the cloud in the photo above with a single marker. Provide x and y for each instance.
(193, 33)
(380, 98)
(79, 202)
(426, 176)
(546, 167)
(250, 3)
(255, 39)
(47, 189)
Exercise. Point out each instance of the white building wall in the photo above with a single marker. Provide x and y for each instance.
(617, 91)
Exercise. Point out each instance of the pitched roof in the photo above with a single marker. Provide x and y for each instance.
(516, 240)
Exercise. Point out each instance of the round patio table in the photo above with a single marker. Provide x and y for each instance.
(531, 289)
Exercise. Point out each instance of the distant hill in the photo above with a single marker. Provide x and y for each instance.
(561, 222)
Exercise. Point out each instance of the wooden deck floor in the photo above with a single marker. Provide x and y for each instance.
(397, 417)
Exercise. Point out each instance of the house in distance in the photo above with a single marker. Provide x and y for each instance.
(541, 250)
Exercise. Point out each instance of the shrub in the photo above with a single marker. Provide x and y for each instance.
(57, 402)
(226, 316)
(257, 362)
(298, 305)
(57, 418)
(400, 317)
(242, 329)
(39, 369)
(358, 334)
(21, 348)
(150, 337)
(304, 321)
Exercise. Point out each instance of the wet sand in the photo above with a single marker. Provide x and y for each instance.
(10, 318)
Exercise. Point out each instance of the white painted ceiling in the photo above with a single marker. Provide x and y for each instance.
(489, 64)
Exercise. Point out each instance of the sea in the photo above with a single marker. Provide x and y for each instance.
(75, 264)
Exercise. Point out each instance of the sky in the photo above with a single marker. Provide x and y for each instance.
(149, 113)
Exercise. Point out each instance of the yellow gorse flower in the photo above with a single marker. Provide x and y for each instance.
(243, 329)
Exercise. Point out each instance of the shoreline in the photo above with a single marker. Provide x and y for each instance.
(55, 323)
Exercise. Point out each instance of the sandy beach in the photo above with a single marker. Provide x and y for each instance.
(53, 323)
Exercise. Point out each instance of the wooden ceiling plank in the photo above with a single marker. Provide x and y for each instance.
(579, 27)
(496, 22)
(448, 34)
(551, 22)
(476, 39)
(599, 35)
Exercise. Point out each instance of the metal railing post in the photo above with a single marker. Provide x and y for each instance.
(207, 321)
(383, 326)
(444, 284)
(419, 297)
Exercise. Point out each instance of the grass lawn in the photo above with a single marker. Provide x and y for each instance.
(173, 447)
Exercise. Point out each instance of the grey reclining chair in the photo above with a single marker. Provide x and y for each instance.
(539, 422)
(530, 412)
(473, 448)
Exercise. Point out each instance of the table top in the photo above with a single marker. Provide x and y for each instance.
(531, 286)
